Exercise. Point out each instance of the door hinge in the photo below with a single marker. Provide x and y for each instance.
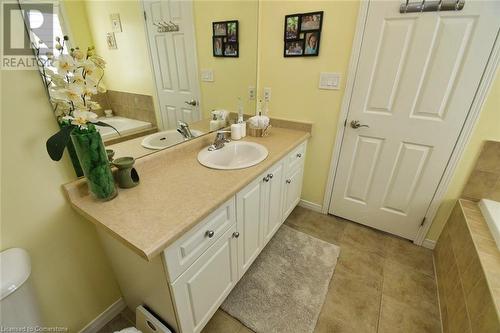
(145, 17)
(423, 221)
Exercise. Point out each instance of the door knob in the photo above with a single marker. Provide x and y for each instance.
(356, 124)
(192, 102)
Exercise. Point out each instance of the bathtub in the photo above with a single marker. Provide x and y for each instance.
(124, 125)
(491, 213)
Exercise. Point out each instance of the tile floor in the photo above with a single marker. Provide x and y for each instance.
(381, 283)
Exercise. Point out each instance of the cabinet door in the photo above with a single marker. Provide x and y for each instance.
(248, 220)
(272, 203)
(292, 191)
(202, 288)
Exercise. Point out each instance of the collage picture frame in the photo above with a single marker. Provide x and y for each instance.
(302, 34)
(225, 40)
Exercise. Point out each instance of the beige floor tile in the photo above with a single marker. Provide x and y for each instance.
(413, 288)
(365, 267)
(397, 317)
(408, 254)
(364, 239)
(221, 322)
(350, 306)
(325, 227)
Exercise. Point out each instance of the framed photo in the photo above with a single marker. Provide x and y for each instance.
(230, 49)
(302, 34)
(311, 40)
(292, 27)
(294, 48)
(116, 23)
(232, 31)
(225, 39)
(311, 21)
(219, 28)
(218, 46)
(111, 41)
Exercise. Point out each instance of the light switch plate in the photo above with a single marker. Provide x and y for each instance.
(251, 93)
(330, 81)
(207, 75)
(267, 94)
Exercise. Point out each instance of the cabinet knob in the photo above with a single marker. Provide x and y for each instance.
(210, 233)
(288, 181)
(270, 176)
(266, 178)
(299, 155)
(236, 234)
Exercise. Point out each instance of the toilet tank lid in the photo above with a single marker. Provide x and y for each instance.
(15, 269)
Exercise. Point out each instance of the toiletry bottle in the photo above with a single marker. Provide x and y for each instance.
(235, 131)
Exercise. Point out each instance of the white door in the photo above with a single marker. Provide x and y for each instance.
(248, 220)
(416, 79)
(272, 189)
(173, 56)
(202, 288)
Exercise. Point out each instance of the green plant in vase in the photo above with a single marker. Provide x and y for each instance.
(72, 79)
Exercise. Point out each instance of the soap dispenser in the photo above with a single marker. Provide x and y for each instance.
(214, 123)
(241, 122)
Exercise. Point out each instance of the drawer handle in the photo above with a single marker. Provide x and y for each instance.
(266, 178)
(270, 176)
(299, 155)
(236, 234)
(288, 181)
(210, 233)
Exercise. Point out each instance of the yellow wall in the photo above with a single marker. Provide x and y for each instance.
(294, 81)
(75, 20)
(488, 128)
(71, 274)
(232, 76)
(128, 67)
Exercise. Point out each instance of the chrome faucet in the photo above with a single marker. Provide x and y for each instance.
(184, 130)
(220, 140)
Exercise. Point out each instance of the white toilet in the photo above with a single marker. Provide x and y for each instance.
(18, 306)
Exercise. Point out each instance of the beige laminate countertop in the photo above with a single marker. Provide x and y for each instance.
(175, 193)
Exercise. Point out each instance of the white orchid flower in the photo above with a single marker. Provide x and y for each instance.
(72, 93)
(81, 118)
(64, 64)
(89, 67)
(92, 105)
(78, 55)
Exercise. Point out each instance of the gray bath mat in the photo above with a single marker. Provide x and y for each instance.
(284, 289)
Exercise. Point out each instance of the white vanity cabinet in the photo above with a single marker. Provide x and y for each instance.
(193, 276)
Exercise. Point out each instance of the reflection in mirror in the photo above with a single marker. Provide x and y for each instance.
(162, 82)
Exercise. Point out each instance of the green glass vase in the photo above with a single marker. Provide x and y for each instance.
(94, 163)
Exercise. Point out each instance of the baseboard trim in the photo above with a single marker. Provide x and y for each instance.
(429, 244)
(310, 205)
(105, 317)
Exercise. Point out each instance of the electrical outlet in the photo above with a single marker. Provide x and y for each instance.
(251, 93)
(267, 94)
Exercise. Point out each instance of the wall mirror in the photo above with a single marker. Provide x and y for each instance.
(167, 63)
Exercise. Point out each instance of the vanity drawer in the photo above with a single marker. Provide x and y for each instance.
(296, 157)
(180, 255)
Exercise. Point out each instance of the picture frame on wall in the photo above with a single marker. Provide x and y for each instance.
(302, 34)
(225, 39)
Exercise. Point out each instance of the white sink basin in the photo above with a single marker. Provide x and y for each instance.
(234, 155)
(165, 139)
(491, 213)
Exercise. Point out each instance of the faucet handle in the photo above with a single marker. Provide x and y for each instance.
(221, 135)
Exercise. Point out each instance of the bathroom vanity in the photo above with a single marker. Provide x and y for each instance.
(182, 239)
